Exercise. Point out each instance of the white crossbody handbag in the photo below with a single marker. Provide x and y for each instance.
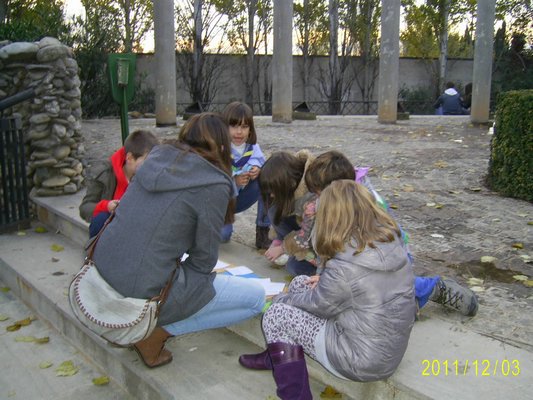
(120, 320)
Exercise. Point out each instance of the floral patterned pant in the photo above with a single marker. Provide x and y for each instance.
(288, 324)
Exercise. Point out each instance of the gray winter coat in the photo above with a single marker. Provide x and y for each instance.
(368, 301)
(176, 203)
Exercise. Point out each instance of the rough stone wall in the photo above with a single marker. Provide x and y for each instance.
(51, 120)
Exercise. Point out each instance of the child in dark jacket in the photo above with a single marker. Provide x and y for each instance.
(111, 178)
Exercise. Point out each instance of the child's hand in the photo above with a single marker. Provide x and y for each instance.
(274, 252)
(254, 172)
(312, 281)
(242, 179)
(112, 205)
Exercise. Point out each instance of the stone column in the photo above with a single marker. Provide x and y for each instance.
(165, 59)
(389, 62)
(282, 62)
(479, 111)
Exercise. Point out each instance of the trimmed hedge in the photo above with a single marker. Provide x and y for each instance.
(511, 159)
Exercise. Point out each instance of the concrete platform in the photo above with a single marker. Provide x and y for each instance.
(445, 359)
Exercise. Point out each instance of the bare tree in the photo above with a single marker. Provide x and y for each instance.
(200, 27)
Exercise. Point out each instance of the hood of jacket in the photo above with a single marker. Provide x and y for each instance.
(168, 168)
(451, 92)
(390, 256)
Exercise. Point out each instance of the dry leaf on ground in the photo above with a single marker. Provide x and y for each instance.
(67, 368)
(57, 247)
(330, 393)
(101, 380)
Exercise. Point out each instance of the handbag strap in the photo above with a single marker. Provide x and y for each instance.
(163, 295)
(90, 248)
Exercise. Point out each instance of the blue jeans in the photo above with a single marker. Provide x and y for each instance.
(247, 197)
(424, 288)
(236, 299)
(97, 222)
(286, 226)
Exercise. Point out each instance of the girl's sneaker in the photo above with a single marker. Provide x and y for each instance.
(450, 294)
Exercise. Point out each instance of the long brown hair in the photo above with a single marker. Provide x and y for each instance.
(280, 176)
(207, 135)
(346, 211)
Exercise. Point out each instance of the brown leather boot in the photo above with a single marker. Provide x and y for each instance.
(152, 349)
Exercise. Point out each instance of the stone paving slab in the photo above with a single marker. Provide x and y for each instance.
(22, 376)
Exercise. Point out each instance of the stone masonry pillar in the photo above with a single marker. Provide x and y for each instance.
(389, 62)
(482, 76)
(282, 62)
(165, 59)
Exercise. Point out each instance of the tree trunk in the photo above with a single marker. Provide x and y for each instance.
(445, 12)
(128, 45)
(196, 75)
(250, 52)
(334, 101)
(3, 11)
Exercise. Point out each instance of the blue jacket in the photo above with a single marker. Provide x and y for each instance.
(451, 102)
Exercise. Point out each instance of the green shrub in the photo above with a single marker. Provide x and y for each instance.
(511, 159)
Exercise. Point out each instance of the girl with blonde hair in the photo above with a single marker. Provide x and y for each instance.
(356, 317)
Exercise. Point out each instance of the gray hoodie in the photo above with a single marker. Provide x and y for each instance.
(368, 301)
(175, 204)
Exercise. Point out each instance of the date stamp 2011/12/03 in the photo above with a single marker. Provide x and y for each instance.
(485, 367)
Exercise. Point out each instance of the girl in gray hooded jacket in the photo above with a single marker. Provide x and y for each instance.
(356, 317)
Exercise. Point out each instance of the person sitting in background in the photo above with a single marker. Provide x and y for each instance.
(450, 101)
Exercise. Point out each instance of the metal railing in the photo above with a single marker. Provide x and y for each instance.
(14, 202)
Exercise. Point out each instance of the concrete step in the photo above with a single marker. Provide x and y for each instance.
(203, 369)
(29, 370)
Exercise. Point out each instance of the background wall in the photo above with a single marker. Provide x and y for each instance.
(229, 83)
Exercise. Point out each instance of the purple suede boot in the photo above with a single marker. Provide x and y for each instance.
(256, 361)
(290, 371)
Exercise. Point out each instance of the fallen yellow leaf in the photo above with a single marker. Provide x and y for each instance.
(57, 247)
(5, 289)
(25, 339)
(24, 322)
(42, 340)
(3, 318)
(330, 393)
(67, 368)
(45, 364)
(13, 328)
(101, 380)
(518, 245)
(528, 283)
(41, 229)
(520, 277)
(475, 281)
(488, 259)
